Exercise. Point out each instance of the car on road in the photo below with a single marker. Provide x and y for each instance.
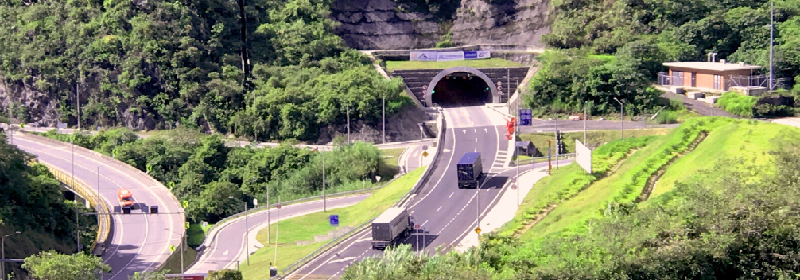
(125, 198)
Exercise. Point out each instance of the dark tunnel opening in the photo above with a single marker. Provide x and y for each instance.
(461, 89)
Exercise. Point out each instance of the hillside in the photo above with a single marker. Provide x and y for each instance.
(31, 203)
(681, 206)
(158, 65)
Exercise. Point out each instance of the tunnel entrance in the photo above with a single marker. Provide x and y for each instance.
(461, 89)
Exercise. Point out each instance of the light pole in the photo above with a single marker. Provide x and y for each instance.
(347, 106)
(622, 118)
(771, 41)
(246, 231)
(3, 249)
(383, 105)
(324, 201)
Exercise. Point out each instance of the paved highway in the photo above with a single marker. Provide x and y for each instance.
(139, 242)
(227, 245)
(445, 212)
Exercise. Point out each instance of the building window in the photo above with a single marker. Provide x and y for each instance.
(677, 78)
(717, 82)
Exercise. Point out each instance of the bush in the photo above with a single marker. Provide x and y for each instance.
(737, 104)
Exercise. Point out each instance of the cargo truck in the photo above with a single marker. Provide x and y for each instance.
(469, 170)
(390, 226)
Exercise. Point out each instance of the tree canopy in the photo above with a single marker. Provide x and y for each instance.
(158, 64)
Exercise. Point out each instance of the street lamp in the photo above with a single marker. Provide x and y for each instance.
(246, 232)
(621, 117)
(3, 249)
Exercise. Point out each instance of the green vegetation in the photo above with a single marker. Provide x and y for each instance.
(31, 202)
(737, 104)
(593, 137)
(305, 227)
(196, 234)
(53, 265)
(474, 63)
(147, 65)
(718, 215)
(570, 79)
(563, 183)
(200, 169)
(391, 162)
(674, 112)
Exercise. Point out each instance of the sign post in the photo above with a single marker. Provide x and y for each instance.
(525, 116)
(416, 228)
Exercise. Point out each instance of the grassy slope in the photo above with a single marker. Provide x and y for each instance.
(390, 164)
(726, 135)
(539, 140)
(749, 141)
(307, 226)
(474, 63)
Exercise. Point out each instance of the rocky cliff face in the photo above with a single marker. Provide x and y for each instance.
(385, 24)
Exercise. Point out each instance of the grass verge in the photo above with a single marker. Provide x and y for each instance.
(474, 63)
(594, 137)
(304, 228)
(623, 186)
(173, 263)
(565, 182)
(391, 163)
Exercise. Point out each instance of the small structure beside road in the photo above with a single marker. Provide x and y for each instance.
(714, 77)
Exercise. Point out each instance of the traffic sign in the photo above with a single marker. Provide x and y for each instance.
(417, 226)
(255, 201)
(513, 186)
(279, 206)
(334, 220)
(185, 203)
(424, 153)
(478, 230)
(172, 248)
(424, 147)
(425, 87)
(499, 83)
(525, 116)
(186, 225)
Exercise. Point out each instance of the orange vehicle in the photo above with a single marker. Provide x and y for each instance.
(125, 198)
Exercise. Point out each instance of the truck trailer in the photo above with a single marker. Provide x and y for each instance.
(389, 226)
(469, 170)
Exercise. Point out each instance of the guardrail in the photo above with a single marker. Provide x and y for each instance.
(83, 190)
(541, 159)
(289, 270)
(122, 166)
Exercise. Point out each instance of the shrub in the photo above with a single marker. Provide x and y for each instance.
(737, 104)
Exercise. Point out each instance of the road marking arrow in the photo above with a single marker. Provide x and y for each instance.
(225, 253)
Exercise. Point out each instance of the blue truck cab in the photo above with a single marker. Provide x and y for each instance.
(469, 170)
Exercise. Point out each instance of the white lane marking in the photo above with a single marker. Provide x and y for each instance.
(449, 164)
(440, 208)
(476, 149)
(225, 253)
(328, 260)
(344, 259)
(485, 130)
(426, 221)
(345, 267)
(499, 194)
(451, 194)
(476, 130)
(412, 211)
(465, 131)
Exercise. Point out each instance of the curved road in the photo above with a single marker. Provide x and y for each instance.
(221, 254)
(139, 242)
(445, 212)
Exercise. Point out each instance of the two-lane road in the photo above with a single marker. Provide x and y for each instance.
(445, 212)
(139, 242)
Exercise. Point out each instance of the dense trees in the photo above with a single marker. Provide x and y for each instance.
(155, 64)
(680, 30)
(201, 169)
(31, 202)
(52, 265)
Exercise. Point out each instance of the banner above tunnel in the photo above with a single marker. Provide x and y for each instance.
(448, 55)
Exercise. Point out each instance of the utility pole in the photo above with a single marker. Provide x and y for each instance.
(622, 118)
(771, 42)
(585, 116)
(558, 143)
(77, 229)
(246, 234)
(347, 106)
(383, 105)
(269, 220)
(275, 261)
(78, 97)
(3, 252)
(324, 201)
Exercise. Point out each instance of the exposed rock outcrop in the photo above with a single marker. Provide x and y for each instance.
(385, 24)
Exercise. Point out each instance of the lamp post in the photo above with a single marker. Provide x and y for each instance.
(347, 106)
(622, 118)
(383, 105)
(771, 41)
(3, 249)
(246, 231)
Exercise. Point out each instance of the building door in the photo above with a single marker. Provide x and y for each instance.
(717, 81)
(694, 79)
(677, 78)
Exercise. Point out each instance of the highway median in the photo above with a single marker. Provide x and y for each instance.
(296, 236)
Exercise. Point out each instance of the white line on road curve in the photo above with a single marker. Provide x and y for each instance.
(225, 253)
(440, 208)
(449, 163)
(451, 194)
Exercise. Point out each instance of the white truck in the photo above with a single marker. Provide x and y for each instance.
(389, 226)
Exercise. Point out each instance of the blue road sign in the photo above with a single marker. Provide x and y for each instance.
(334, 219)
(525, 116)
